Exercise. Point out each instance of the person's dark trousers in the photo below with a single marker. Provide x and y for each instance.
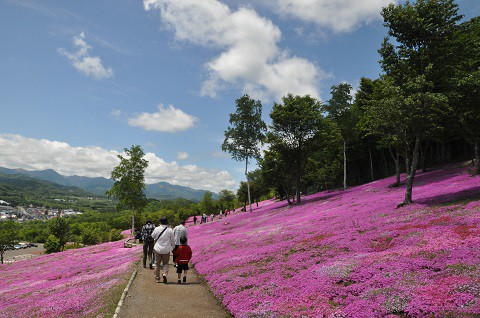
(147, 251)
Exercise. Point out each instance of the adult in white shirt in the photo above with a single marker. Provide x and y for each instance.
(178, 232)
(164, 244)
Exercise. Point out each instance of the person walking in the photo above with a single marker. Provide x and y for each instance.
(195, 220)
(164, 244)
(178, 232)
(148, 242)
(183, 255)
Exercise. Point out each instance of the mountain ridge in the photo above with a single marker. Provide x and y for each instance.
(99, 185)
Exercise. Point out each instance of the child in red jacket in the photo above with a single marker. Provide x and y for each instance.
(183, 254)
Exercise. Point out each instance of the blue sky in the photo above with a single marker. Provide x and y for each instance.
(82, 80)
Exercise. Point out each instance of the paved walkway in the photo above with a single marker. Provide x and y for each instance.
(154, 300)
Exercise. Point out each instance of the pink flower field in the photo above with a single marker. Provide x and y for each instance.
(74, 283)
(351, 253)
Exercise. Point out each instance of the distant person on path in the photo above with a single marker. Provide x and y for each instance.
(204, 218)
(148, 242)
(164, 244)
(220, 214)
(195, 220)
(183, 255)
(179, 231)
(138, 236)
(212, 216)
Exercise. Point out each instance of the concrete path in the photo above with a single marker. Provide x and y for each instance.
(154, 300)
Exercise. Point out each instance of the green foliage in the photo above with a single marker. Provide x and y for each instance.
(8, 236)
(60, 228)
(129, 176)
(52, 245)
(247, 131)
(21, 190)
(294, 124)
(246, 134)
(226, 200)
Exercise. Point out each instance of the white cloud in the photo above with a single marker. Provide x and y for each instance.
(182, 155)
(116, 113)
(336, 15)
(83, 62)
(250, 59)
(38, 154)
(166, 119)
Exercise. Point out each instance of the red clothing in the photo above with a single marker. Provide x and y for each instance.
(183, 254)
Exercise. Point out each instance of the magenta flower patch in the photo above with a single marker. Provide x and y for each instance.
(73, 283)
(351, 253)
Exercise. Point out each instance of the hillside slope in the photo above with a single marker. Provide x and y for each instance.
(85, 282)
(351, 253)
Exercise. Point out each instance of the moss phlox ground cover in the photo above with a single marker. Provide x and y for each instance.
(351, 253)
(74, 283)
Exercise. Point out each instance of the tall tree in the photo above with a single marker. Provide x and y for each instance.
(246, 134)
(294, 124)
(60, 228)
(8, 236)
(129, 176)
(339, 109)
(468, 83)
(424, 33)
(227, 199)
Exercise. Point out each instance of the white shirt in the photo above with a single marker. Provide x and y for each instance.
(166, 242)
(179, 231)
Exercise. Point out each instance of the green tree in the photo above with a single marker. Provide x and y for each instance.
(339, 109)
(52, 245)
(226, 199)
(129, 176)
(277, 173)
(207, 204)
(419, 63)
(294, 124)
(383, 117)
(8, 236)
(246, 134)
(60, 228)
(468, 83)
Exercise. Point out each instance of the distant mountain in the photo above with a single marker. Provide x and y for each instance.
(98, 186)
(18, 189)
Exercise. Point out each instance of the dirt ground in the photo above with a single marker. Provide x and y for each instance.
(154, 300)
(23, 253)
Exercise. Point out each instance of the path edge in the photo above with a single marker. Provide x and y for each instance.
(124, 294)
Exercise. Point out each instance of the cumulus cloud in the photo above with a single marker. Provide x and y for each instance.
(166, 119)
(182, 155)
(250, 59)
(17, 151)
(88, 65)
(336, 15)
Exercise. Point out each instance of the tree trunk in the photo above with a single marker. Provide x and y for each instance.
(344, 165)
(424, 157)
(477, 157)
(407, 160)
(371, 164)
(248, 184)
(411, 176)
(133, 221)
(299, 172)
(396, 159)
(385, 165)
